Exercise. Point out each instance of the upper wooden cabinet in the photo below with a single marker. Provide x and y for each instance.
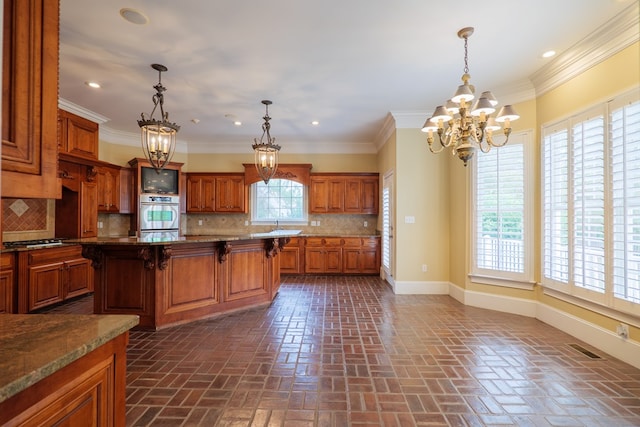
(108, 181)
(77, 136)
(344, 193)
(216, 192)
(30, 98)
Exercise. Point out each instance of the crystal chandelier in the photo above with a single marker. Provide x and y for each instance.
(466, 131)
(158, 136)
(266, 152)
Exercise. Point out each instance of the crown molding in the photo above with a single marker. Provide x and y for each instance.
(81, 111)
(385, 132)
(615, 35)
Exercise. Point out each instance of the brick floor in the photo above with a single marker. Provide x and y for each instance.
(346, 351)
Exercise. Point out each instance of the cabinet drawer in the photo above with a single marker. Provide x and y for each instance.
(352, 242)
(47, 255)
(324, 241)
(7, 261)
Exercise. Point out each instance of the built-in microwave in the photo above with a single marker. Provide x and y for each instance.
(159, 212)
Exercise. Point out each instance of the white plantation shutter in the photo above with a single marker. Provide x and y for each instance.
(588, 204)
(386, 228)
(591, 204)
(555, 205)
(625, 177)
(500, 209)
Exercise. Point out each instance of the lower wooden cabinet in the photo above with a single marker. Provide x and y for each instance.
(292, 257)
(52, 275)
(361, 256)
(7, 282)
(331, 255)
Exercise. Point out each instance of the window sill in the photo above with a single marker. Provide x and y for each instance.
(501, 281)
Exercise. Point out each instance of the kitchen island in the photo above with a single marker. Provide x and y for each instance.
(169, 281)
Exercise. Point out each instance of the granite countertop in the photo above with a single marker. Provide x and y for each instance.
(34, 346)
(184, 239)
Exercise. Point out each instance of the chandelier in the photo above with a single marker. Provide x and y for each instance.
(158, 136)
(266, 152)
(468, 127)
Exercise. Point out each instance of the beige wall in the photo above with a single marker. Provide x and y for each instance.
(422, 193)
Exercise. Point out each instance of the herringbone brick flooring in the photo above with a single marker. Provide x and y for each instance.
(346, 351)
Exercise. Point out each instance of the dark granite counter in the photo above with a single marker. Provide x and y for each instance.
(34, 346)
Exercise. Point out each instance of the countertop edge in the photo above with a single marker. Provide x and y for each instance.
(26, 381)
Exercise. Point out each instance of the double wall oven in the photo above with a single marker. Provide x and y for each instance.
(159, 216)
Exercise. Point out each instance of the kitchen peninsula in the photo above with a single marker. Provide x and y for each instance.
(169, 281)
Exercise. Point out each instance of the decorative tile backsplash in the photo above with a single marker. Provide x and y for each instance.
(118, 225)
(26, 219)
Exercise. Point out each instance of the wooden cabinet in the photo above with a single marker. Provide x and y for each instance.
(108, 182)
(30, 99)
(230, 195)
(77, 136)
(344, 193)
(323, 255)
(127, 201)
(7, 282)
(209, 193)
(201, 193)
(292, 257)
(51, 275)
(361, 255)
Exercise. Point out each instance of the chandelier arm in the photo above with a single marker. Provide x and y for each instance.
(507, 133)
(430, 143)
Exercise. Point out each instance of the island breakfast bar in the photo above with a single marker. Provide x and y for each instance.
(177, 280)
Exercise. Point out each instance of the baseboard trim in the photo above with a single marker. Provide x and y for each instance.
(421, 288)
(603, 339)
(495, 302)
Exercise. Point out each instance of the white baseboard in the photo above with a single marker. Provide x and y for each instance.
(603, 339)
(421, 288)
(502, 303)
(607, 341)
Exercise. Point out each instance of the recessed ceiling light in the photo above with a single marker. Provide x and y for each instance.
(195, 121)
(134, 16)
(237, 123)
(549, 54)
(315, 123)
(94, 85)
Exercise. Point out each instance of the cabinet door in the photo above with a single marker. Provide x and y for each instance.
(78, 277)
(351, 261)
(79, 136)
(108, 181)
(201, 194)
(369, 196)
(336, 195)
(7, 283)
(230, 194)
(318, 195)
(353, 195)
(314, 260)
(30, 99)
(88, 209)
(45, 285)
(290, 258)
(333, 260)
(127, 200)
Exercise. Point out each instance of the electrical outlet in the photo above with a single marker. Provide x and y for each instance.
(100, 225)
(623, 330)
(366, 224)
(424, 268)
(318, 223)
(246, 223)
(199, 222)
(313, 223)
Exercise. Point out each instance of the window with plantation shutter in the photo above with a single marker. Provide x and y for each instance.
(588, 203)
(502, 203)
(591, 204)
(625, 177)
(555, 205)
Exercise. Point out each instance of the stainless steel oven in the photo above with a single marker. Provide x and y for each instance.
(159, 212)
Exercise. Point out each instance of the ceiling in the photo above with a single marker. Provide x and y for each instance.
(346, 64)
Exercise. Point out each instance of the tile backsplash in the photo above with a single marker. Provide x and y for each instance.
(111, 225)
(27, 219)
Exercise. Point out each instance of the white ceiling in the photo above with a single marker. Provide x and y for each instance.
(345, 63)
